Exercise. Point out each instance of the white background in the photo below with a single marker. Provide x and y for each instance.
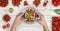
(46, 11)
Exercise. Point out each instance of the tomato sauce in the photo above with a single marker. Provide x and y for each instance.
(44, 4)
(55, 23)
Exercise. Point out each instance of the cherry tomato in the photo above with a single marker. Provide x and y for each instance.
(16, 2)
(36, 2)
(44, 4)
(8, 25)
(4, 27)
(25, 3)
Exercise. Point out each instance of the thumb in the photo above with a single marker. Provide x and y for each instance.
(40, 22)
(25, 19)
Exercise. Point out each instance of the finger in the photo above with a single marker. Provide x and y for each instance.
(25, 19)
(40, 22)
(20, 13)
(39, 14)
(41, 17)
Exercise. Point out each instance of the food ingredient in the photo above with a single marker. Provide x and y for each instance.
(57, 11)
(25, 3)
(6, 18)
(11, 10)
(3, 3)
(37, 2)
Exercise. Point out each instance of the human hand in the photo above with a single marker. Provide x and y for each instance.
(17, 21)
(40, 18)
(19, 18)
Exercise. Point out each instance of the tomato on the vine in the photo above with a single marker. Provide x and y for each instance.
(3, 3)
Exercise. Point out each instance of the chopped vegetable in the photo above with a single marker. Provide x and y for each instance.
(44, 4)
(55, 23)
(11, 10)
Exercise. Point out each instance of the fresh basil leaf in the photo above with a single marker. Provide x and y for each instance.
(57, 11)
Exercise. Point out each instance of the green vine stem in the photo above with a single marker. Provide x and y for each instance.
(45, 0)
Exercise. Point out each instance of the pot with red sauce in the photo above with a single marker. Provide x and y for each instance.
(55, 23)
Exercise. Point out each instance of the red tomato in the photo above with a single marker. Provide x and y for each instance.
(6, 18)
(3, 3)
(55, 2)
(19, 0)
(0, 3)
(8, 25)
(36, 2)
(16, 2)
(25, 3)
(4, 27)
(45, 4)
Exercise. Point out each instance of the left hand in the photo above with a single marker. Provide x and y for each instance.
(19, 18)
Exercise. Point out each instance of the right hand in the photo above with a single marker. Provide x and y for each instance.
(40, 19)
